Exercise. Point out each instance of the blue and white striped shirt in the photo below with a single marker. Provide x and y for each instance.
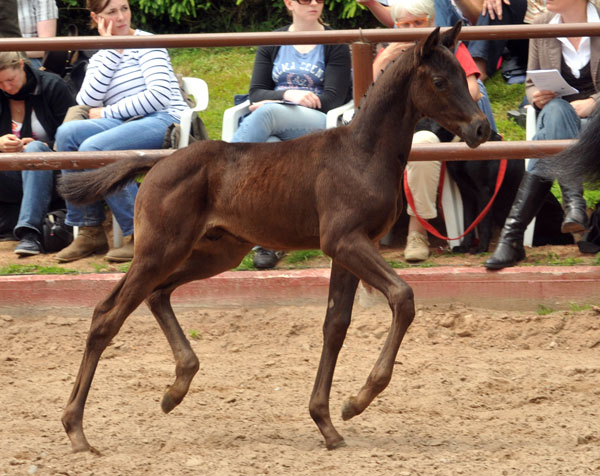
(136, 82)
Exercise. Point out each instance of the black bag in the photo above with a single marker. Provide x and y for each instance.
(590, 240)
(57, 234)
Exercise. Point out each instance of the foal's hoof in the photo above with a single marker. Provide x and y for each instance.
(336, 444)
(348, 409)
(168, 403)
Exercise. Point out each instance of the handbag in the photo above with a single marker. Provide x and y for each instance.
(56, 233)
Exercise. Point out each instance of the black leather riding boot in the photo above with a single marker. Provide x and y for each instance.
(527, 204)
(576, 219)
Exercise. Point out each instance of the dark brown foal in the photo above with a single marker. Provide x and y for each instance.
(200, 211)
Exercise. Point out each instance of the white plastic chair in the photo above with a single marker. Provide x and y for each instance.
(198, 90)
(529, 133)
(232, 116)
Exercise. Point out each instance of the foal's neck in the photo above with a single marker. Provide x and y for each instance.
(386, 118)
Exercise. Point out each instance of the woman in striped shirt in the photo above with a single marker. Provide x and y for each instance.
(133, 96)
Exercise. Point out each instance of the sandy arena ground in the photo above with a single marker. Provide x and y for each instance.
(475, 392)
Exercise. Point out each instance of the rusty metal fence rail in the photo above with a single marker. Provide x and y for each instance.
(361, 41)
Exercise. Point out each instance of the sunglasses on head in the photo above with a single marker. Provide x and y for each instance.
(308, 2)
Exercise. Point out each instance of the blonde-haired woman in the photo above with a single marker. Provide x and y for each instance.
(33, 104)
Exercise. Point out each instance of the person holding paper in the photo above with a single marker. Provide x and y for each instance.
(578, 60)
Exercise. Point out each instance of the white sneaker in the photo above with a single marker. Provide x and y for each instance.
(417, 247)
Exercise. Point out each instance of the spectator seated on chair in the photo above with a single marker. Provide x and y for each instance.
(33, 104)
(578, 60)
(292, 88)
(488, 53)
(134, 97)
(423, 177)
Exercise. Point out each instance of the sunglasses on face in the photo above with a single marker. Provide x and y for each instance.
(308, 2)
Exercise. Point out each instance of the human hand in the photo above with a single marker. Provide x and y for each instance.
(584, 107)
(103, 28)
(541, 98)
(493, 8)
(27, 140)
(95, 113)
(302, 98)
(11, 143)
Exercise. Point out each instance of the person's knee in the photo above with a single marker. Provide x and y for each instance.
(36, 146)
(425, 137)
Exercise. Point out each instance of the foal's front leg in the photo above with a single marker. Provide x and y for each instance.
(342, 288)
(358, 254)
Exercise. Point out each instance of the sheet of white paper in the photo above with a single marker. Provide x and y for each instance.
(551, 80)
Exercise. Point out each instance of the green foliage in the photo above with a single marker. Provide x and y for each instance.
(247, 263)
(544, 310)
(302, 256)
(194, 334)
(34, 269)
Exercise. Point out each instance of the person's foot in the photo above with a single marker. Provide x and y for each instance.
(417, 247)
(90, 240)
(266, 259)
(122, 254)
(29, 245)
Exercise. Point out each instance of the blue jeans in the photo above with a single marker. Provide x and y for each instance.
(485, 105)
(557, 120)
(446, 14)
(32, 189)
(283, 121)
(111, 134)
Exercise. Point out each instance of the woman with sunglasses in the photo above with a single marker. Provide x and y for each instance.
(293, 87)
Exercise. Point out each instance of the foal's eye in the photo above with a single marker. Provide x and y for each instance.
(439, 82)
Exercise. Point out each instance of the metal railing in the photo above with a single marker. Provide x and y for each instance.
(362, 59)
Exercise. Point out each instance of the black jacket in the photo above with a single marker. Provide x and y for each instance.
(336, 88)
(50, 100)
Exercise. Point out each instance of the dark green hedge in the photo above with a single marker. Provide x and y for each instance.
(201, 16)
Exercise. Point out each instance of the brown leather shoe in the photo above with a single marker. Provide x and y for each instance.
(90, 239)
(122, 254)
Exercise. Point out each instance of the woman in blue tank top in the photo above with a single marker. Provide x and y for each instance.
(293, 86)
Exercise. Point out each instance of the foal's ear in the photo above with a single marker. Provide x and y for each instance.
(431, 42)
(450, 38)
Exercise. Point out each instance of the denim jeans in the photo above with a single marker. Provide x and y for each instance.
(557, 120)
(32, 189)
(485, 105)
(446, 14)
(111, 134)
(283, 121)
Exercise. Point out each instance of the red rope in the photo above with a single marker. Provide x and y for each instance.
(429, 227)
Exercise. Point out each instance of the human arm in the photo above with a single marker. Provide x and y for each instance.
(381, 12)
(45, 29)
(262, 86)
(471, 9)
(387, 55)
(337, 77)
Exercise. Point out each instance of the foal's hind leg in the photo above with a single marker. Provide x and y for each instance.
(212, 259)
(108, 318)
(358, 255)
(342, 288)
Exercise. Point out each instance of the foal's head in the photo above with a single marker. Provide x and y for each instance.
(439, 88)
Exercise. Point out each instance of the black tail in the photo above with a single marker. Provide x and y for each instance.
(93, 185)
(580, 162)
